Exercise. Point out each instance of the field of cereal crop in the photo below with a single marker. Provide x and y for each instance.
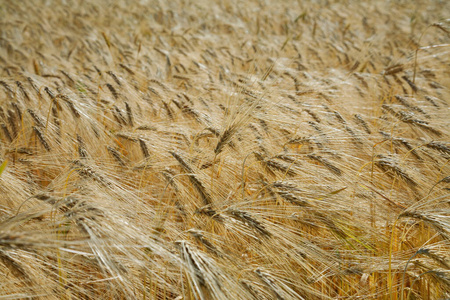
(224, 149)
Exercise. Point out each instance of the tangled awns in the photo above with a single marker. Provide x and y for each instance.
(204, 149)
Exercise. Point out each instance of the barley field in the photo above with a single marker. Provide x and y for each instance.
(202, 149)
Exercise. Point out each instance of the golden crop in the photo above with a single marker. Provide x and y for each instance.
(224, 149)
